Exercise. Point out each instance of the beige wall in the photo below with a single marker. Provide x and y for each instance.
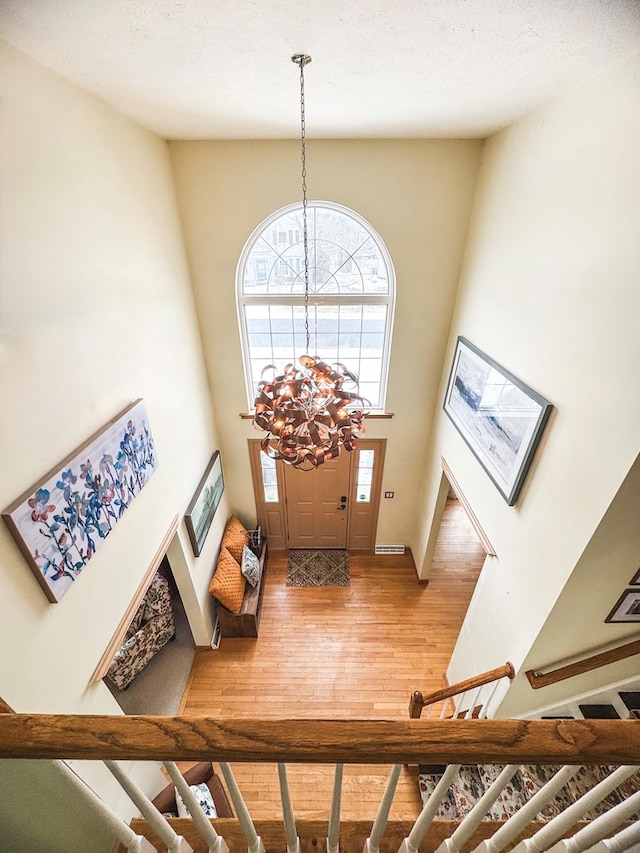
(416, 194)
(550, 290)
(96, 310)
(604, 569)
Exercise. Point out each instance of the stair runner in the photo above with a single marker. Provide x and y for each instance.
(473, 780)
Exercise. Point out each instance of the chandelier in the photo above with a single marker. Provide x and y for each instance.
(310, 412)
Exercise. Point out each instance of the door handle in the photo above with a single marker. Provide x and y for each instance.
(342, 507)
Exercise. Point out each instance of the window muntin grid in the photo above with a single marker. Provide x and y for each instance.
(351, 294)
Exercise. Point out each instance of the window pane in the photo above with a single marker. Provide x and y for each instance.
(363, 494)
(271, 494)
(269, 478)
(365, 458)
(370, 391)
(370, 370)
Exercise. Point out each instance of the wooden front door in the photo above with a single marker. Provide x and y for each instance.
(299, 509)
(317, 504)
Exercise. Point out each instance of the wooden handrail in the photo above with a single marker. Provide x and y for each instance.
(418, 701)
(539, 679)
(320, 741)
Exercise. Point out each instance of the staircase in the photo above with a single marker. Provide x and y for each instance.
(472, 781)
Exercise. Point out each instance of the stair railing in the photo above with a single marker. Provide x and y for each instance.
(570, 743)
(539, 679)
(458, 692)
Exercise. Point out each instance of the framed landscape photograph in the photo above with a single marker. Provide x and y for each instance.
(204, 503)
(500, 418)
(626, 608)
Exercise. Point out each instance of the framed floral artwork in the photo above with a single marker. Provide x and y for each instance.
(60, 521)
(204, 503)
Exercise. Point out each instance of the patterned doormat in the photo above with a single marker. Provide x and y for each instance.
(318, 568)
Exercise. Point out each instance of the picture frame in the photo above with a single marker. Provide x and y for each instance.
(635, 580)
(63, 518)
(204, 503)
(627, 607)
(500, 418)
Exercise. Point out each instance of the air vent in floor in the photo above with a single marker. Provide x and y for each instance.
(389, 549)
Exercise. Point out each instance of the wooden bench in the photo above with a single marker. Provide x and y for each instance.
(245, 623)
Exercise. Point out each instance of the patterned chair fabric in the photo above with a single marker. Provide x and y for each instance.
(151, 628)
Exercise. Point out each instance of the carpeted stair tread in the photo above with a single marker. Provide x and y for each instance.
(472, 781)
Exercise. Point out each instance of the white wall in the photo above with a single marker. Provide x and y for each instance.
(417, 194)
(550, 290)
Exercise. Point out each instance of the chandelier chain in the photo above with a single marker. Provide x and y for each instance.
(302, 60)
(308, 414)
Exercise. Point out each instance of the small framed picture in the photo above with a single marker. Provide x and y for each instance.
(627, 607)
(204, 503)
(635, 580)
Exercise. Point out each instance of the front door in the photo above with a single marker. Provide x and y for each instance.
(317, 504)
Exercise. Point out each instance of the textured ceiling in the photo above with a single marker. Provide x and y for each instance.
(399, 68)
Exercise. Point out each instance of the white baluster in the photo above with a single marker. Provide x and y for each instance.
(626, 840)
(445, 705)
(372, 844)
(123, 832)
(487, 702)
(520, 820)
(475, 817)
(458, 702)
(334, 818)
(474, 702)
(599, 828)
(293, 842)
(202, 823)
(556, 828)
(175, 843)
(425, 818)
(254, 841)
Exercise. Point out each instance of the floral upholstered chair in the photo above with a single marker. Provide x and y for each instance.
(152, 627)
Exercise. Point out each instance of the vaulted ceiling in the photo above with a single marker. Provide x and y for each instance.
(381, 68)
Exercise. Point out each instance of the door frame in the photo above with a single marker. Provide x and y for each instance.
(273, 517)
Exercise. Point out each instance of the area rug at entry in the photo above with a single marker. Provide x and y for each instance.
(318, 568)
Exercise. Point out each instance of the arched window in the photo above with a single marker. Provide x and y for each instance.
(351, 295)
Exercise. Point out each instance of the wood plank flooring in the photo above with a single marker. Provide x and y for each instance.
(336, 652)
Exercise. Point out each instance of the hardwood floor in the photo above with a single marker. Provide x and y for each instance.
(336, 652)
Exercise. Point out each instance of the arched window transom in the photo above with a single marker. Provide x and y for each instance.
(351, 295)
